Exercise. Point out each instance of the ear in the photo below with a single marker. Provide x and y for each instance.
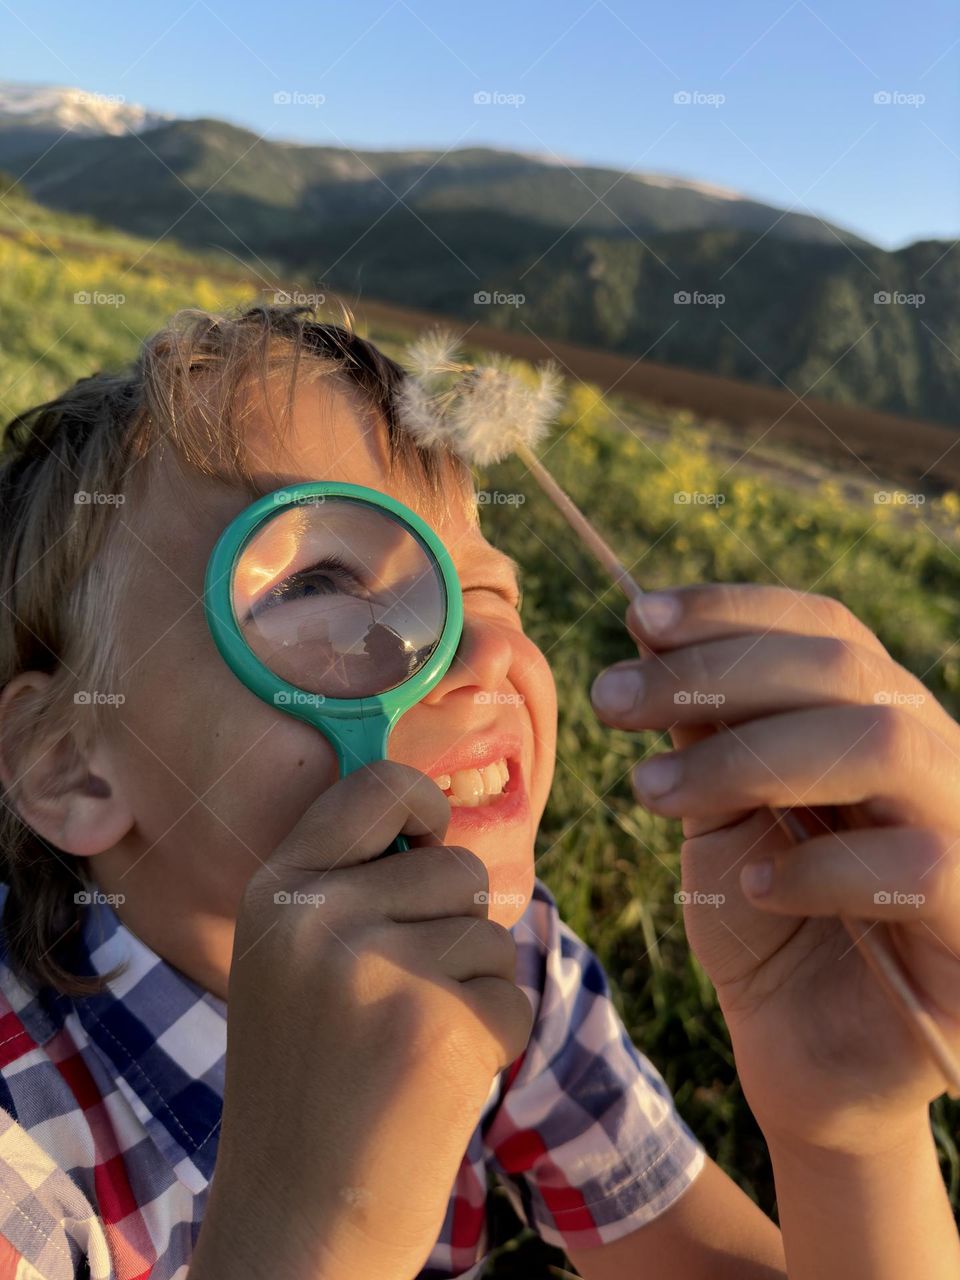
(65, 792)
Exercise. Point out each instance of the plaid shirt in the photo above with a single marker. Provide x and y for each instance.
(111, 1111)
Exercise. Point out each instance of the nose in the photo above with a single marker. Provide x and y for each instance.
(481, 663)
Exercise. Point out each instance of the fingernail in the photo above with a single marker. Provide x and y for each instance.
(757, 877)
(657, 776)
(616, 690)
(655, 611)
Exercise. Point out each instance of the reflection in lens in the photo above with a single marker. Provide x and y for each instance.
(338, 597)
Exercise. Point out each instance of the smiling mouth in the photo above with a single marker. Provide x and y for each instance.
(475, 788)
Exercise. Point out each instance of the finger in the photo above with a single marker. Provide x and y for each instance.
(422, 884)
(844, 755)
(683, 615)
(886, 873)
(739, 677)
(461, 947)
(505, 1012)
(358, 817)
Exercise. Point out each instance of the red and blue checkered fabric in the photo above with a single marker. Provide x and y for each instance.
(110, 1113)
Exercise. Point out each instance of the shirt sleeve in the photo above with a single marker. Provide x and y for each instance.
(585, 1138)
(48, 1230)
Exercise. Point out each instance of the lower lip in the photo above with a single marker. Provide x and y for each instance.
(510, 806)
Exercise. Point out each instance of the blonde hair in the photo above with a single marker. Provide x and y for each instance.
(63, 574)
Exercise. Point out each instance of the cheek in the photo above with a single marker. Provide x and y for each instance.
(533, 679)
(224, 773)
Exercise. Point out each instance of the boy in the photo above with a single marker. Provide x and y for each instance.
(433, 1019)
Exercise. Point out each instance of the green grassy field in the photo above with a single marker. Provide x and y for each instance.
(612, 866)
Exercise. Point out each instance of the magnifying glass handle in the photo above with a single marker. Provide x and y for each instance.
(399, 845)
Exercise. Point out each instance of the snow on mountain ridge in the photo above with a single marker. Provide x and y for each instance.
(76, 110)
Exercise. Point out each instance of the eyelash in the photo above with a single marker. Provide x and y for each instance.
(332, 563)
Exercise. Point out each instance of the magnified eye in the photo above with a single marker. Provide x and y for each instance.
(330, 576)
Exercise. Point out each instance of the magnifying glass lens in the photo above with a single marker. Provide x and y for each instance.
(339, 598)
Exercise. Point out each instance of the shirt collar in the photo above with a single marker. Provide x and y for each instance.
(163, 1038)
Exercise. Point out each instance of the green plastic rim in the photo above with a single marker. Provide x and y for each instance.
(357, 727)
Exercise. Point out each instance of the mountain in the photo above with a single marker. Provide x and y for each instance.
(32, 116)
(145, 181)
(568, 251)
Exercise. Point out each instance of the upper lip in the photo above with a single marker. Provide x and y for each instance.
(476, 750)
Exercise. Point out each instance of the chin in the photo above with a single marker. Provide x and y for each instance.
(511, 887)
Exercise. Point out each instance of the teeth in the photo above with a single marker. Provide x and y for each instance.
(472, 787)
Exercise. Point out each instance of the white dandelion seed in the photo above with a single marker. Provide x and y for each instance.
(483, 413)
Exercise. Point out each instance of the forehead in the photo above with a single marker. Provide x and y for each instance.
(325, 436)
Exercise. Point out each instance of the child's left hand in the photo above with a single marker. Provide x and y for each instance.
(776, 697)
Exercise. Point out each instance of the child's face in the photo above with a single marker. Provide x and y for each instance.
(215, 778)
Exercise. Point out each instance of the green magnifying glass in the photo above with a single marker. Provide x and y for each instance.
(337, 605)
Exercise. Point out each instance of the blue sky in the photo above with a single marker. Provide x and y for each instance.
(582, 79)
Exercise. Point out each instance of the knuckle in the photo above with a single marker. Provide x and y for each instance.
(887, 735)
(473, 868)
(697, 670)
(832, 613)
(502, 939)
(936, 873)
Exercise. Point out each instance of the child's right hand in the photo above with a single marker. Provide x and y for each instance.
(364, 1033)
